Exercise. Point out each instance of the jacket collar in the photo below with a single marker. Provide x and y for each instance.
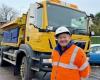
(58, 47)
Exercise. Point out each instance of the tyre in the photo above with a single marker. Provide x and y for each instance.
(25, 69)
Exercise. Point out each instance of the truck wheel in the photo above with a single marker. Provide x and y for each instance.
(25, 69)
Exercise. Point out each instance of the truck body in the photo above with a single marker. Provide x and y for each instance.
(29, 40)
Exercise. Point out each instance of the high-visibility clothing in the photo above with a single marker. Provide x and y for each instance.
(59, 49)
(71, 65)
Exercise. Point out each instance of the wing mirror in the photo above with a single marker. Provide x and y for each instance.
(92, 16)
(92, 33)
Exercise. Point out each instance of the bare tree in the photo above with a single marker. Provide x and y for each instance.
(7, 13)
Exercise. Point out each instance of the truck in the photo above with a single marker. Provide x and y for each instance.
(29, 40)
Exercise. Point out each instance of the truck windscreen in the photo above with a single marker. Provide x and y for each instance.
(63, 16)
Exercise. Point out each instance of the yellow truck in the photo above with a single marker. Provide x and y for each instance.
(29, 40)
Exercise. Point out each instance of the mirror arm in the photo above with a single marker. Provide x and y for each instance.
(40, 5)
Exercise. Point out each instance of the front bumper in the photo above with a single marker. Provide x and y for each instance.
(45, 63)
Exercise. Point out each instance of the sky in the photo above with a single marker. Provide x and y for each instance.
(89, 6)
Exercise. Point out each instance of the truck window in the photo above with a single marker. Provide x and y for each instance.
(39, 18)
(37, 12)
(35, 15)
(64, 16)
(11, 36)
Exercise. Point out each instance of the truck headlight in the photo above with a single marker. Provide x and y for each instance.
(47, 60)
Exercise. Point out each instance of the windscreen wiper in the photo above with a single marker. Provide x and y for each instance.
(80, 31)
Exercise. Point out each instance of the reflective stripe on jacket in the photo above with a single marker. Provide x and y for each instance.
(71, 65)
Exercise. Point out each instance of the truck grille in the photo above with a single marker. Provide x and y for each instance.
(81, 44)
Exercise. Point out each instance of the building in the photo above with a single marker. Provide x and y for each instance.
(2, 22)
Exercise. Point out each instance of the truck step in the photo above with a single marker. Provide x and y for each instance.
(9, 54)
(12, 62)
(35, 59)
(35, 69)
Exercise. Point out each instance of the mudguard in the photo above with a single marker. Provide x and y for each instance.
(27, 50)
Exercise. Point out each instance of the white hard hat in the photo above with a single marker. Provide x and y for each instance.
(62, 30)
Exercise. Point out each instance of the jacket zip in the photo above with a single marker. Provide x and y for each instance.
(57, 67)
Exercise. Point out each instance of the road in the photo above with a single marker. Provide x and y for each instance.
(6, 73)
(95, 74)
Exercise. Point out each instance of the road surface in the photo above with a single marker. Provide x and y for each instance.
(6, 73)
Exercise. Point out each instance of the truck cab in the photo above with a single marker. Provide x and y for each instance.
(45, 17)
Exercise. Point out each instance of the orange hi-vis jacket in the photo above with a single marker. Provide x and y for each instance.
(71, 65)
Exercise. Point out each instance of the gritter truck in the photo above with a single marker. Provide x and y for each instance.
(29, 40)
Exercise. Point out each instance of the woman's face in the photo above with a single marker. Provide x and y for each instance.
(63, 39)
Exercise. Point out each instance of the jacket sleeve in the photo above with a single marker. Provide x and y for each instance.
(83, 65)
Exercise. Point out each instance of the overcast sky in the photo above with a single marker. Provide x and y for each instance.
(90, 6)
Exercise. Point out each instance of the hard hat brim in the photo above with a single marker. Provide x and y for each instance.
(62, 33)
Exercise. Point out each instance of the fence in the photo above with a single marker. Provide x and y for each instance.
(95, 39)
